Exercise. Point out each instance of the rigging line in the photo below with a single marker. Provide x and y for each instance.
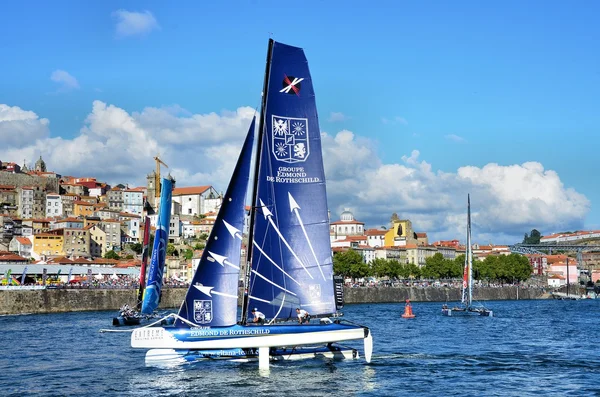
(278, 311)
(269, 216)
(271, 282)
(273, 262)
(258, 299)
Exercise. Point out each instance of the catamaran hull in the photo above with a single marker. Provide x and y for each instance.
(178, 357)
(458, 313)
(261, 338)
(244, 337)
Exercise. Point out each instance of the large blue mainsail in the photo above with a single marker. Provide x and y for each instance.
(159, 250)
(212, 297)
(291, 257)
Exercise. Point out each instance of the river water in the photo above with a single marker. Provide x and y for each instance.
(530, 348)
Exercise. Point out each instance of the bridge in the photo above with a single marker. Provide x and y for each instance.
(547, 249)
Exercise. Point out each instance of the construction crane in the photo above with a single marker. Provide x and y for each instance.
(157, 175)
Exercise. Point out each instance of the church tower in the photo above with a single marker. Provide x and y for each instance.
(40, 165)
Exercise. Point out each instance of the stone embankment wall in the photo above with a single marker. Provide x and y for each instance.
(69, 300)
(431, 294)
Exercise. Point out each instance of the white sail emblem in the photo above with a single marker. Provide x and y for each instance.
(290, 139)
(203, 311)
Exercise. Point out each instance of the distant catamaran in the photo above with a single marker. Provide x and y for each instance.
(290, 263)
(150, 291)
(466, 306)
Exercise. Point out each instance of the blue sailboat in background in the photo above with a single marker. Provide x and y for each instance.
(150, 291)
(289, 264)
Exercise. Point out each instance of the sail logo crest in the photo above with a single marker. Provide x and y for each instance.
(203, 311)
(290, 139)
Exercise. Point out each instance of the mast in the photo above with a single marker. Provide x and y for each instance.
(469, 252)
(145, 242)
(261, 126)
(567, 277)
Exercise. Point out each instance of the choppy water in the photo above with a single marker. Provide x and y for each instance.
(531, 348)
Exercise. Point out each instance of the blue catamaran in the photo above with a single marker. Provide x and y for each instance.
(289, 264)
(150, 291)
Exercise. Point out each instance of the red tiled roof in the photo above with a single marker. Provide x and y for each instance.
(13, 257)
(355, 222)
(375, 232)
(183, 191)
(23, 240)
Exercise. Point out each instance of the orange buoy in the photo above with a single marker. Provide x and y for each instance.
(408, 313)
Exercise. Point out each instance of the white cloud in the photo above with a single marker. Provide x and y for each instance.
(337, 116)
(117, 147)
(506, 201)
(66, 81)
(19, 127)
(130, 23)
(455, 138)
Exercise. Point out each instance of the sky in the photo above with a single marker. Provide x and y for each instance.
(419, 103)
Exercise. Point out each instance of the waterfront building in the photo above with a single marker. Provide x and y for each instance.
(53, 205)
(83, 208)
(76, 242)
(39, 225)
(67, 223)
(418, 254)
(67, 201)
(112, 228)
(115, 199)
(97, 240)
(401, 234)
(106, 213)
(74, 188)
(22, 246)
(25, 201)
(447, 252)
(195, 200)
(392, 253)
(560, 269)
(47, 245)
(8, 200)
(375, 237)
(131, 223)
(346, 226)
(133, 200)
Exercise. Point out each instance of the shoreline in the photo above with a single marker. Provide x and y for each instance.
(38, 301)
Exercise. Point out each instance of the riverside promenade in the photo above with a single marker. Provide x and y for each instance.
(19, 301)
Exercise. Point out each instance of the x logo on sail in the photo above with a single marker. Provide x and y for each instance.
(293, 85)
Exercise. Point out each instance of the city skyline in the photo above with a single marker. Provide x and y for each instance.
(422, 105)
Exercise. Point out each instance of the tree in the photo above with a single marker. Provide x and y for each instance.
(199, 246)
(381, 267)
(347, 263)
(533, 238)
(111, 255)
(188, 254)
(136, 247)
(171, 250)
(203, 236)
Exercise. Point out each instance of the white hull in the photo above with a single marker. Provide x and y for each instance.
(172, 357)
(160, 338)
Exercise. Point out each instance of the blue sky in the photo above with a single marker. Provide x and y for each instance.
(464, 83)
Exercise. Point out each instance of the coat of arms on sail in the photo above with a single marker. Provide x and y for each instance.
(290, 139)
(202, 311)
